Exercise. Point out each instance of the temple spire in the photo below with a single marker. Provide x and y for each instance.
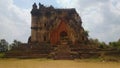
(34, 6)
(40, 5)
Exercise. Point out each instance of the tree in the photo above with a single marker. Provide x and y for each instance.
(3, 45)
(103, 45)
(86, 33)
(115, 45)
(97, 43)
(15, 43)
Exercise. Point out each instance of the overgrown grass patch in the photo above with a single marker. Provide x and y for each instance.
(89, 60)
(111, 58)
(2, 55)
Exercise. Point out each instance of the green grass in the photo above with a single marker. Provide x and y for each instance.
(89, 60)
(101, 59)
(2, 55)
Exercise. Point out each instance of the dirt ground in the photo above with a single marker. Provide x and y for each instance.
(43, 63)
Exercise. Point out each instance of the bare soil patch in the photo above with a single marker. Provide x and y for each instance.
(46, 63)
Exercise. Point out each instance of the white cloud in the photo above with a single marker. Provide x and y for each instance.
(14, 21)
(100, 17)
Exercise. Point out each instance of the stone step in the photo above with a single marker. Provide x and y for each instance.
(62, 52)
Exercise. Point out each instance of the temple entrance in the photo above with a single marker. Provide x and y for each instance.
(63, 50)
(63, 37)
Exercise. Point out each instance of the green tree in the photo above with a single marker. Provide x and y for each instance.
(115, 45)
(86, 33)
(15, 43)
(94, 42)
(97, 43)
(103, 45)
(3, 45)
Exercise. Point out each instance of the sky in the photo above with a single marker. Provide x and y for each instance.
(100, 17)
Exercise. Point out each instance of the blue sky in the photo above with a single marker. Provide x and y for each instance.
(28, 3)
(100, 17)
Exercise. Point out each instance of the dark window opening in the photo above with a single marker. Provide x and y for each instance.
(83, 38)
(45, 24)
(45, 38)
(63, 35)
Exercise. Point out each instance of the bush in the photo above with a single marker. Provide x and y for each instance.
(2, 55)
(110, 58)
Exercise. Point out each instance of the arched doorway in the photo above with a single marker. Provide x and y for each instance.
(63, 36)
(59, 33)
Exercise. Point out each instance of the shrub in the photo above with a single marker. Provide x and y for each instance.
(2, 55)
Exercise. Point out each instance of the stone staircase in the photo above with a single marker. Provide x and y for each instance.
(62, 51)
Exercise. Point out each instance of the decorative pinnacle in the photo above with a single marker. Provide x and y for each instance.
(34, 6)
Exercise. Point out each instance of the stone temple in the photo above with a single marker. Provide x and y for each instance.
(56, 34)
(56, 26)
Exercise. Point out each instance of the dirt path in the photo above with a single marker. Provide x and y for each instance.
(38, 63)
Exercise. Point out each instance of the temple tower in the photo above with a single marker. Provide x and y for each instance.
(34, 23)
(52, 25)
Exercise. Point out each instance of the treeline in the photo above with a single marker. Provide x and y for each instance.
(115, 45)
(5, 46)
(103, 45)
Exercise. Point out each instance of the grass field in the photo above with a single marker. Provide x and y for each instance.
(46, 63)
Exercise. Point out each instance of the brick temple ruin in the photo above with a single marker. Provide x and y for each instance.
(55, 34)
(56, 26)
